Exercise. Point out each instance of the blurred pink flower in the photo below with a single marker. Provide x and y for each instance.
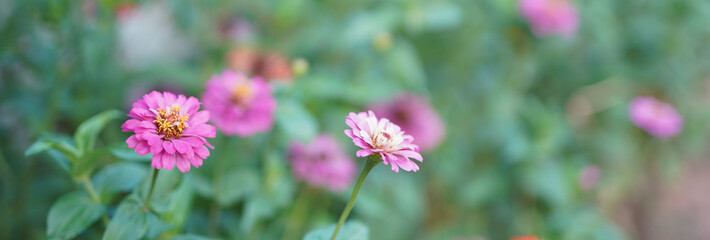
(416, 117)
(241, 106)
(657, 118)
(171, 128)
(322, 163)
(381, 137)
(589, 177)
(550, 17)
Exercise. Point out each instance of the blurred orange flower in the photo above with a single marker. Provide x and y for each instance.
(525, 238)
(268, 65)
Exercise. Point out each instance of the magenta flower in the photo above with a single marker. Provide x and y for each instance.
(322, 163)
(171, 128)
(384, 138)
(655, 117)
(240, 106)
(416, 117)
(550, 17)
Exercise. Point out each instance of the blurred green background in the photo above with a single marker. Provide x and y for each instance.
(524, 115)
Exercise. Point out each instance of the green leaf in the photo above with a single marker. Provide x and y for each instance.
(257, 208)
(72, 214)
(351, 230)
(85, 136)
(235, 185)
(130, 222)
(119, 177)
(191, 237)
(57, 142)
(295, 120)
(123, 152)
(38, 147)
(405, 67)
(178, 209)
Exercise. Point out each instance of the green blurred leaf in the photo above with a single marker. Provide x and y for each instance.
(440, 15)
(295, 120)
(191, 237)
(122, 151)
(165, 188)
(88, 131)
(548, 182)
(351, 230)
(130, 221)
(404, 65)
(180, 204)
(57, 142)
(72, 214)
(255, 209)
(119, 177)
(236, 185)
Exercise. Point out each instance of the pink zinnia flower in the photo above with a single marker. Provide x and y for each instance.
(322, 163)
(384, 138)
(655, 117)
(416, 117)
(240, 105)
(589, 177)
(550, 17)
(171, 128)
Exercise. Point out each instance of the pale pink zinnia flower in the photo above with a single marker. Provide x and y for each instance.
(655, 117)
(550, 17)
(240, 106)
(384, 138)
(322, 163)
(171, 128)
(416, 117)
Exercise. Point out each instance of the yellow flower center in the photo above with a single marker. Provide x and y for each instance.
(242, 94)
(170, 123)
(387, 139)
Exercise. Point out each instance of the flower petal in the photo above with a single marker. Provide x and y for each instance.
(182, 163)
(168, 161)
(169, 148)
(157, 161)
(181, 146)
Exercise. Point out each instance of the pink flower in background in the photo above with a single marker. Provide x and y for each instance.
(322, 163)
(550, 17)
(655, 117)
(240, 106)
(384, 138)
(589, 177)
(171, 128)
(416, 117)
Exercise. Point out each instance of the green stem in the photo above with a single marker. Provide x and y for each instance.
(298, 214)
(94, 196)
(146, 205)
(372, 161)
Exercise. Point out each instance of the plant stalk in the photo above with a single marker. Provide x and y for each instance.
(372, 161)
(146, 204)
